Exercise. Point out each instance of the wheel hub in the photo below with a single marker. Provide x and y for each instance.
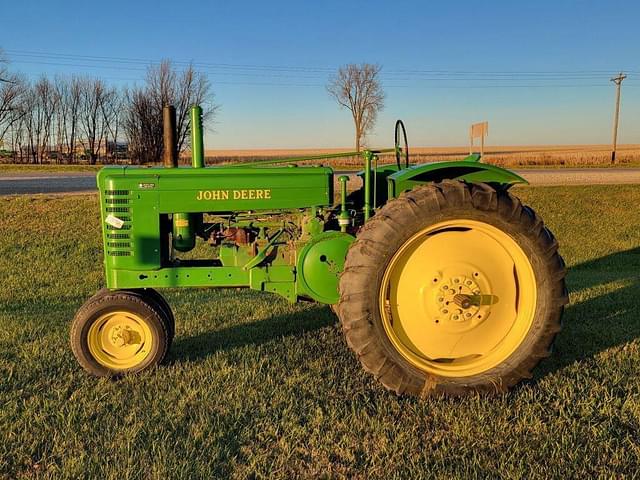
(120, 340)
(122, 336)
(460, 301)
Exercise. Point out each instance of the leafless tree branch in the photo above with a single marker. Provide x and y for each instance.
(357, 88)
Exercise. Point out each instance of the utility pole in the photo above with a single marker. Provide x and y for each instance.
(618, 81)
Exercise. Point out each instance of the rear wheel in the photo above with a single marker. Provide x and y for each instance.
(119, 332)
(452, 288)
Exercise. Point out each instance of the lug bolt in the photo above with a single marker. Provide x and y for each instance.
(456, 280)
(444, 287)
(441, 299)
(445, 311)
(468, 282)
(455, 317)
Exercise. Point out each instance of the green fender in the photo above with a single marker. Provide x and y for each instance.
(468, 170)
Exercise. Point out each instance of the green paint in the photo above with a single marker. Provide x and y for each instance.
(468, 171)
(184, 232)
(319, 265)
(197, 139)
(262, 254)
(344, 219)
(367, 184)
(285, 216)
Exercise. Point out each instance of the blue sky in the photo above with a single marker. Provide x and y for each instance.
(537, 71)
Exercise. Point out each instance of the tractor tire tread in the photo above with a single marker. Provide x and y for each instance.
(375, 245)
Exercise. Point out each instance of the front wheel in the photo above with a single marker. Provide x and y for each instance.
(452, 288)
(120, 332)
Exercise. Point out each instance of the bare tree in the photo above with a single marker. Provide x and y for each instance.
(49, 119)
(112, 109)
(60, 86)
(73, 101)
(142, 129)
(10, 98)
(357, 88)
(38, 107)
(143, 118)
(95, 95)
(12, 91)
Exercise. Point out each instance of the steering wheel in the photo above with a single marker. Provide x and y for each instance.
(401, 150)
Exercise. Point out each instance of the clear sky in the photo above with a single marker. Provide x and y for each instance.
(537, 71)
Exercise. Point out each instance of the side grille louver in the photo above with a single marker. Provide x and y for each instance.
(116, 202)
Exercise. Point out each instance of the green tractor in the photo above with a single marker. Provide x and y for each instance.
(444, 282)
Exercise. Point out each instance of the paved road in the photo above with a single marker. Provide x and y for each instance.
(31, 183)
(581, 176)
(16, 184)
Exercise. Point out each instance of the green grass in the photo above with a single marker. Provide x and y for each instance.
(255, 387)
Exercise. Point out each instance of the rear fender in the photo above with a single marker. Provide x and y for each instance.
(467, 171)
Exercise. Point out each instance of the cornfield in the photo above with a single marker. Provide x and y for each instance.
(522, 156)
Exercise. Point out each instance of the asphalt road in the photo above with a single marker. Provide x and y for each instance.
(34, 183)
(11, 184)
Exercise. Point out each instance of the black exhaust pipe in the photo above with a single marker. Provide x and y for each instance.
(170, 141)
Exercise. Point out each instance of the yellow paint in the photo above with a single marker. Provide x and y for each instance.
(441, 268)
(249, 194)
(120, 340)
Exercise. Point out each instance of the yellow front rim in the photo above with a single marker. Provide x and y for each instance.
(120, 340)
(458, 298)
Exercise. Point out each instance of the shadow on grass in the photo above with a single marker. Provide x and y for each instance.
(254, 333)
(607, 320)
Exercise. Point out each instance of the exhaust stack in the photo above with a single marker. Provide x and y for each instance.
(197, 142)
(170, 143)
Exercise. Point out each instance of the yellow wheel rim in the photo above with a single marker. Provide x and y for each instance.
(120, 340)
(458, 298)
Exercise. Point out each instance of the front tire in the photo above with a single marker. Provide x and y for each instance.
(153, 297)
(119, 332)
(452, 288)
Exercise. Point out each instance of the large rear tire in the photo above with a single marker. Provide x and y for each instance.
(450, 289)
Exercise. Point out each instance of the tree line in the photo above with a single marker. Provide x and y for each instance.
(72, 119)
(77, 119)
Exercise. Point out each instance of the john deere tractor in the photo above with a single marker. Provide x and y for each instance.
(444, 282)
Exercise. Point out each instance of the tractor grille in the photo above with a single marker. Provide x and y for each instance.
(118, 236)
(119, 241)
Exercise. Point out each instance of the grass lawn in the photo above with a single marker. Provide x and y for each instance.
(256, 387)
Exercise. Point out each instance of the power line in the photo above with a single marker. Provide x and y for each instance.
(307, 69)
(439, 79)
(478, 79)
